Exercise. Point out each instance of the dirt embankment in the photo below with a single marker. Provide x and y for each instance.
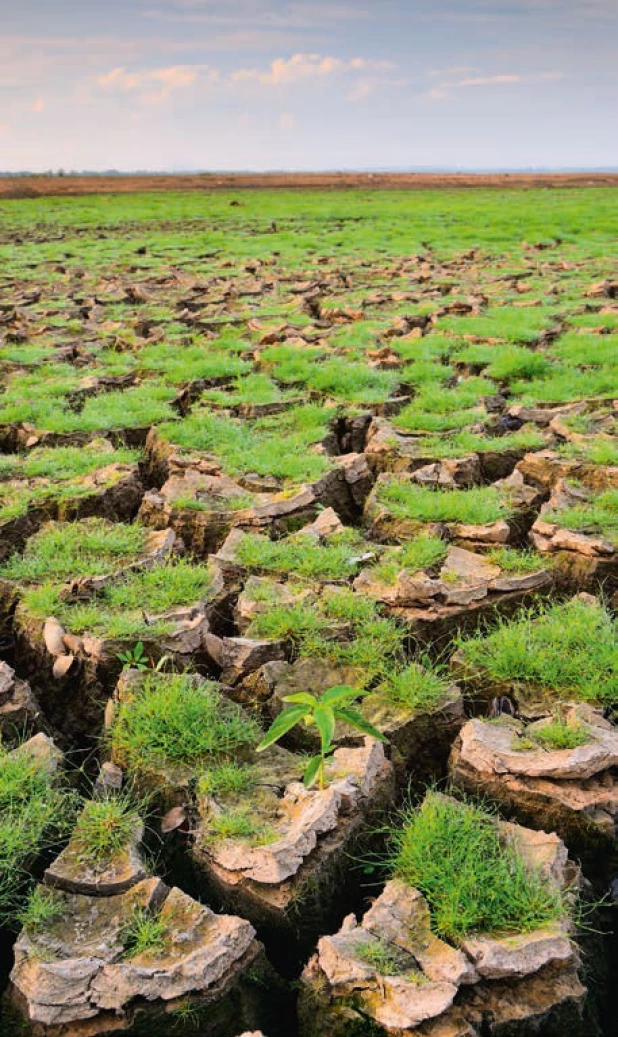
(36, 186)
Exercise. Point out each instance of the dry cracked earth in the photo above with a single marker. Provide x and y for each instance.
(265, 450)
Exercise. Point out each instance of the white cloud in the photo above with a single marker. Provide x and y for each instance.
(155, 85)
(488, 80)
(283, 71)
(37, 106)
(445, 89)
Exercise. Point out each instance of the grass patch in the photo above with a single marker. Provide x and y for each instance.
(557, 734)
(87, 548)
(239, 822)
(599, 515)
(278, 446)
(120, 608)
(35, 812)
(597, 450)
(473, 878)
(105, 828)
(144, 933)
(174, 719)
(419, 688)
(423, 552)
(517, 562)
(342, 627)
(302, 555)
(569, 648)
(42, 909)
(385, 958)
(476, 506)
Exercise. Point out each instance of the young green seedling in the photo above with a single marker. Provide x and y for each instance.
(336, 704)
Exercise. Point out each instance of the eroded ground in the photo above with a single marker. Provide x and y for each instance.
(262, 444)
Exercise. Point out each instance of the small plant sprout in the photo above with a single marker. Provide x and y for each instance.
(134, 658)
(336, 704)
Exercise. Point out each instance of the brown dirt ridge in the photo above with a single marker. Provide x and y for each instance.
(38, 186)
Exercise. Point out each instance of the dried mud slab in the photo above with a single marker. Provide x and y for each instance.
(578, 529)
(572, 792)
(419, 737)
(76, 671)
(391, 518)
(78, 972)
(523, 982)
(456, 591)
(19, 709)
(112, 492)
(431, 461)
(296, 880)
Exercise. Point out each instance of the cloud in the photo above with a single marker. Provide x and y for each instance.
(155, 85)
(284, 71)
(488, 80)
(37, 106)
(447, 86)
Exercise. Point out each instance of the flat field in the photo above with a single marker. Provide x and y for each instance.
(261, 443)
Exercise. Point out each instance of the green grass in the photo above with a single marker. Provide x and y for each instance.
(225, 779)
(512, 362)
(35, 812)
(598, 516)
(506, 322)
(561, 385)
(278, 446)
(105, 828)
(61, 463)
(385, 958)
(302, 555)
(570, 649)
(91, 547)
(476, 506)
(555, 735)
(419, 688)
(118, 609)
(581, 350)
(473, 878)
(460, 444)
(144, 933)
(42, 909)
(342, 627)
(596, 450)
(517, 562)
(423, 552)
(173, 719)
(239, 822)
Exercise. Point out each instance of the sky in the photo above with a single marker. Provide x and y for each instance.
(301, 85)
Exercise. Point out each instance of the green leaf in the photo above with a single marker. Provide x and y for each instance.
(302, 696)
(312, 770)
(325, 722)
(284, 722)
(357, 721)
(341, 693)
